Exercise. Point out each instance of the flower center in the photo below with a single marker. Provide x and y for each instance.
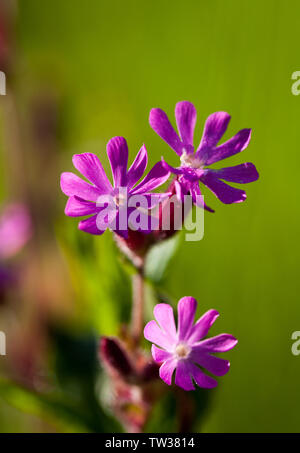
(120, 199)
(190, 160)
(182, 350)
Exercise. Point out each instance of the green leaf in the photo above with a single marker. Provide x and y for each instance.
(160, 257)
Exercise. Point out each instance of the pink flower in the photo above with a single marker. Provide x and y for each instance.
(83, 196)
(195, 162)
(15, 229)
(185, 348)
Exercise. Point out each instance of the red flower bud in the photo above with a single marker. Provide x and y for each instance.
(171, 215)
(115, 357)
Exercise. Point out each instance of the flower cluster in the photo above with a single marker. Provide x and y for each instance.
(116, 206)
(111, 205)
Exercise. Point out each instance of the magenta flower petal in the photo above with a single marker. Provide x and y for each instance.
(161, 125)
(182, 188)
(167, 369)
(197, 197)
(201, 378)
(186, 313)
(117, 151)
(119, 223)
(180, 191)
(143, 221)
(106, 216)
(164, 315)
(220, 343)
(77, 207)
(156, 177)
(159, 355)
(153, 199)
(73, 185)
(183, 377)
(90, 167)
(214, 365)
(233, 146)
(214, 129)
(154, 334)
(186, 115)
(90, 225)
(176, 171)
(137, 168)
(242, 174)
(202, 326)
(225, 193)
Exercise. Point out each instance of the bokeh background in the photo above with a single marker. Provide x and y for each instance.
(79, 73)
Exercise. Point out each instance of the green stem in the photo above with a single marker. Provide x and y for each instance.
(137, 320)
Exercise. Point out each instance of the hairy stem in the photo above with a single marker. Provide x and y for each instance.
(137, 320)
(185, 411)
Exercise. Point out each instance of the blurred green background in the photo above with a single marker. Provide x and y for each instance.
(101, 66)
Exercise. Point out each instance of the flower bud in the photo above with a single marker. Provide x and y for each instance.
(171, 215)
(150, 372)
(114, 357)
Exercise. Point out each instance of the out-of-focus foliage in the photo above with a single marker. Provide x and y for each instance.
(93, 70)
(72, 404)
(102, 285)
